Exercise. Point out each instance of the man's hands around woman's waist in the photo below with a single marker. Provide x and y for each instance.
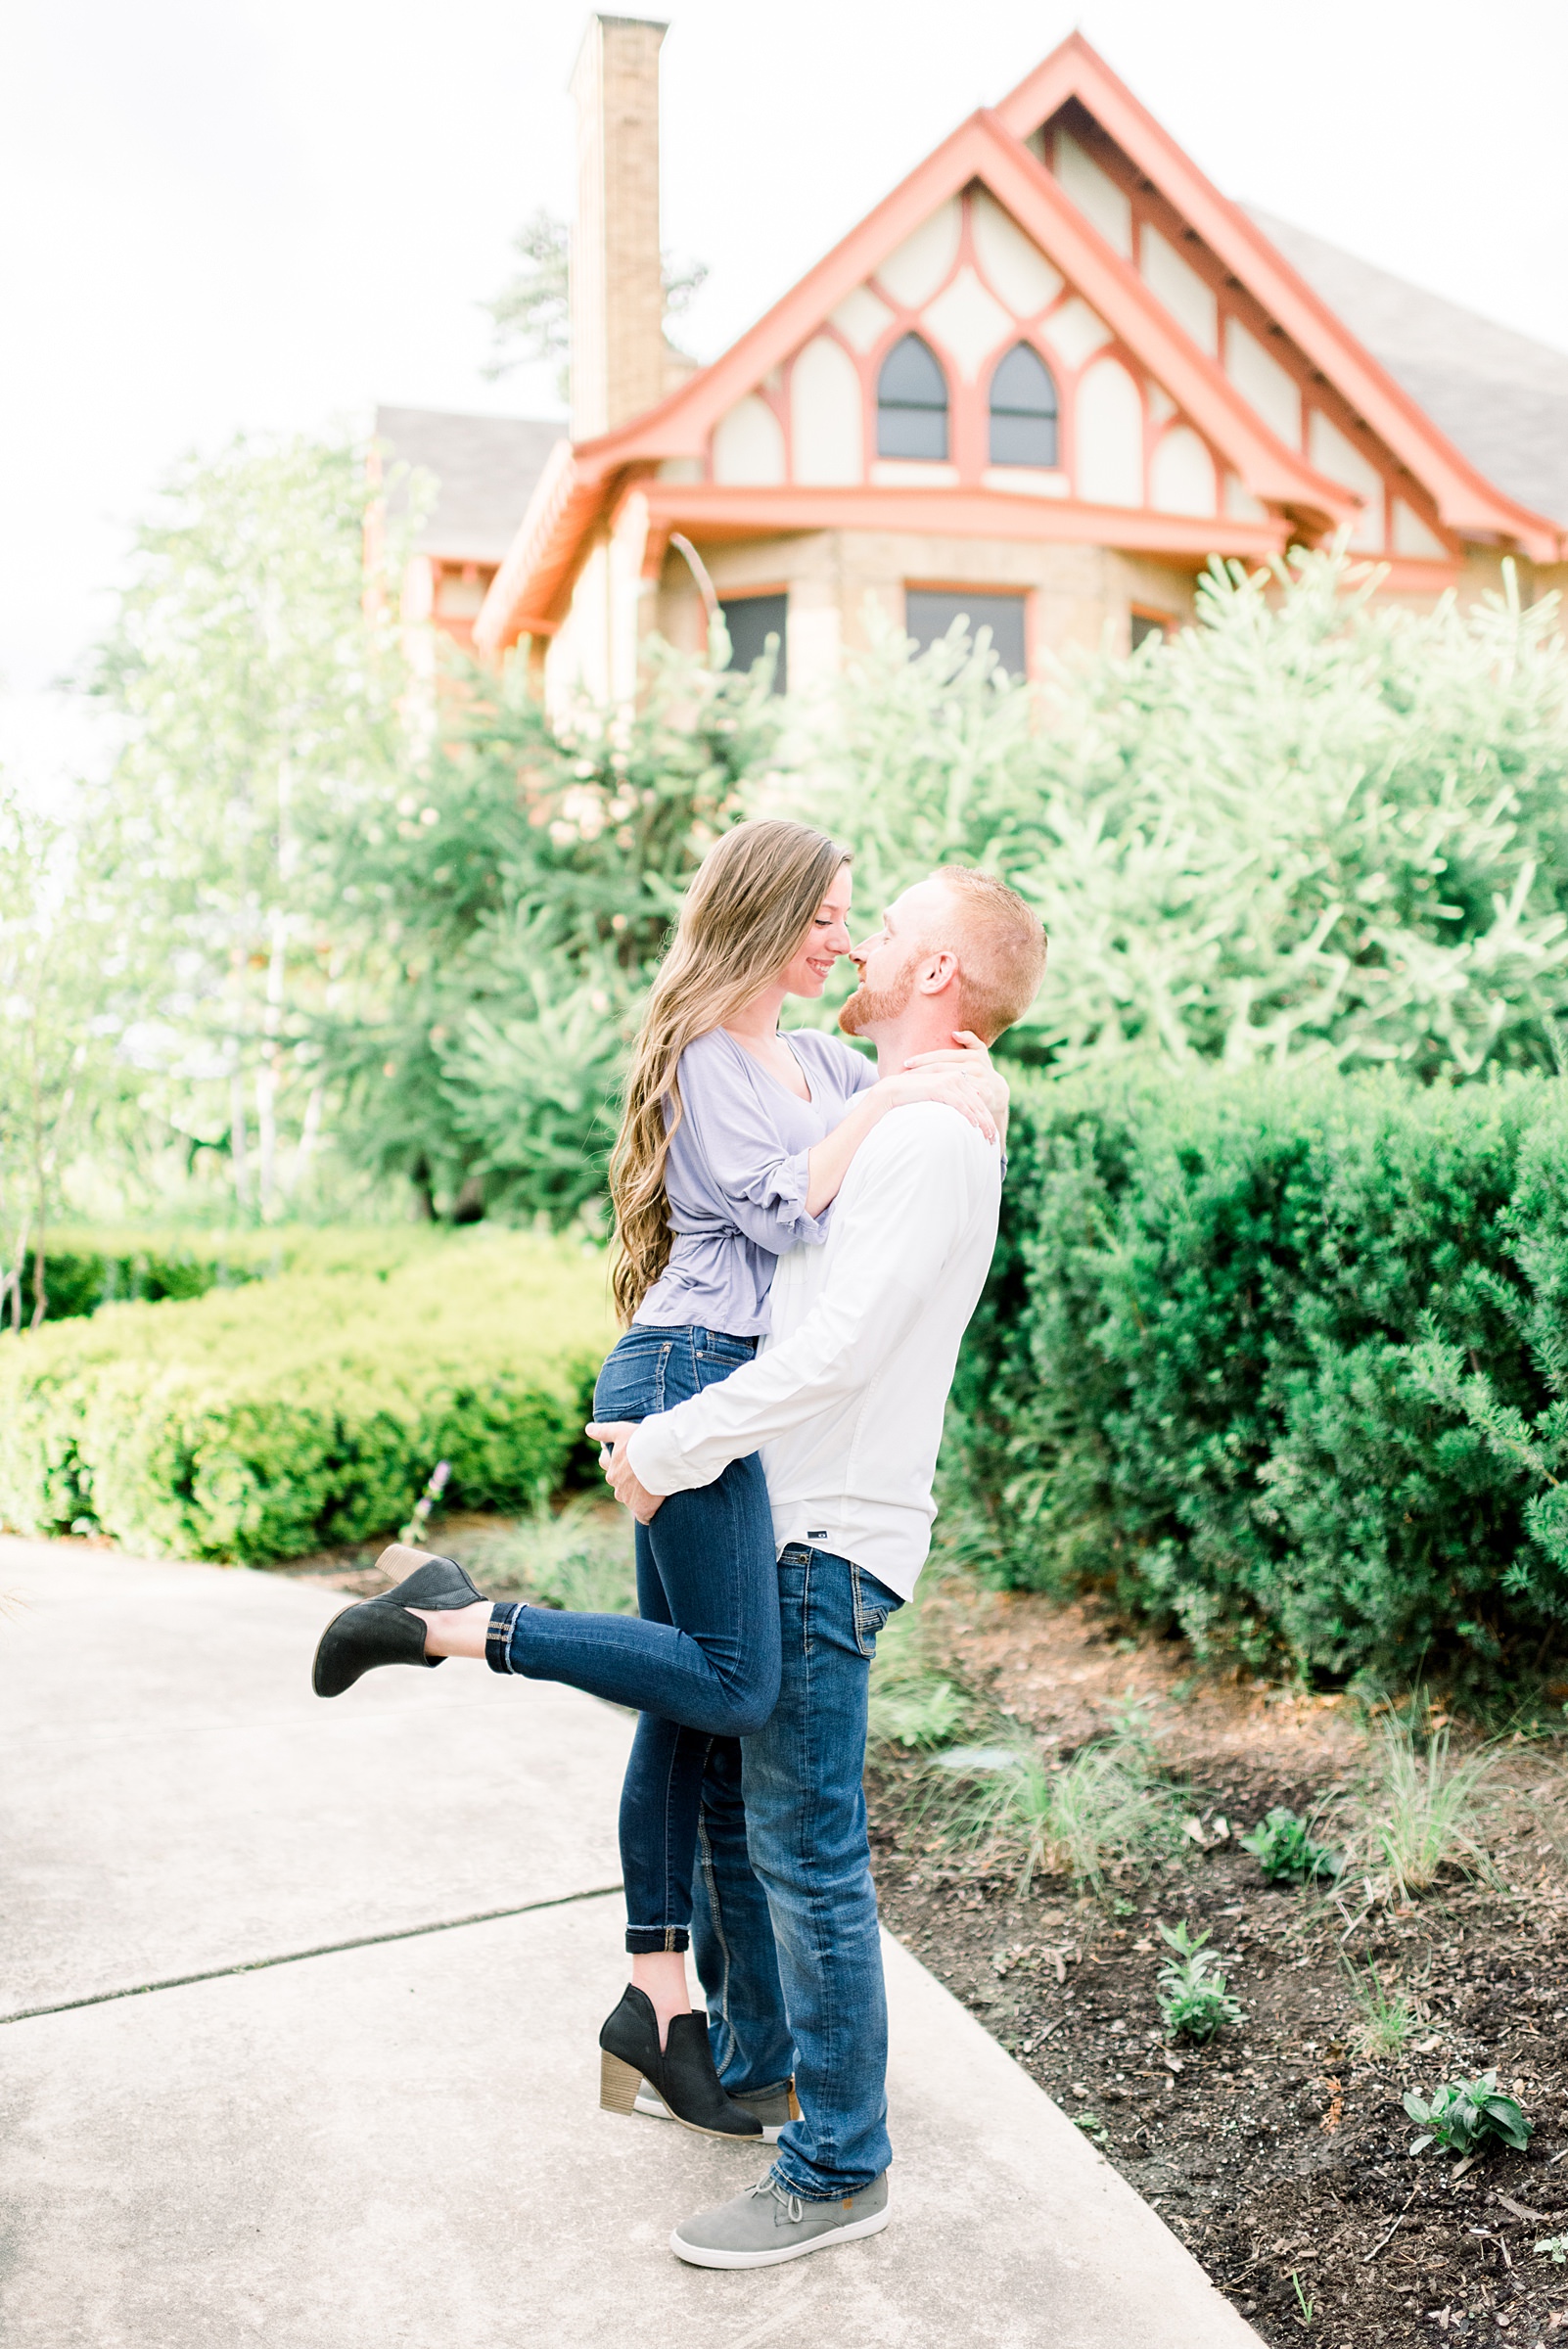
(612, 1436)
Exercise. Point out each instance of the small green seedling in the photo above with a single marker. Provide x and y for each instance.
(1387, 2016)
(1286, 1853)
(1554, 2248)
(1305, 2320)
(1466, 2116)
(1194, 2000)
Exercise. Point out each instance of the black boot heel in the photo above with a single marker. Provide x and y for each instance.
(683, 2071)
(380, 1631)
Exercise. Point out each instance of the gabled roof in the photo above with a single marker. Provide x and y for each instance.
(990, 147)
(485, 468)
(1501, 398)
(983, 149)
(1465, 500)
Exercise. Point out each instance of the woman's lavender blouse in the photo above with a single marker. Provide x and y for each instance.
(736, 1177)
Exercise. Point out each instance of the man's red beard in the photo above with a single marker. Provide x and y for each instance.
(869, 1006)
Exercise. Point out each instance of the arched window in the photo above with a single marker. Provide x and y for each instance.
(911, 402)
(1023, 410)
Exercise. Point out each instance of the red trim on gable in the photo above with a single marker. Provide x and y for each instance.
(1465, 499)
(710, 511)
(1110, 285)
(542, 557)
(982, 148)
(531, 587)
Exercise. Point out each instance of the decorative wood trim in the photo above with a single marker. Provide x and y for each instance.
(720, 511)
(1466, 501)
(534, 581)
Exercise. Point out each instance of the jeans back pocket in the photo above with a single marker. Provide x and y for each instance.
(632, 1383)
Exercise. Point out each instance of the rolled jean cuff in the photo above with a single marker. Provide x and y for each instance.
(498, 1635)
(643, 1941)
(781, 2177)
(792, 2185)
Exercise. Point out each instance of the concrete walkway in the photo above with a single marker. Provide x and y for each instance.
(356, 2108)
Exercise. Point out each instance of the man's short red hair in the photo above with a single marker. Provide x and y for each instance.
(1001, 948)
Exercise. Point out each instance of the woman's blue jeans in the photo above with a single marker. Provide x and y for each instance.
(703, 1659)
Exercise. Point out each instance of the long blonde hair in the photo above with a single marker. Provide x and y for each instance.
(746, 916)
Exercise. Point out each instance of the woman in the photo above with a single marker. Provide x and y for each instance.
(734, 1141)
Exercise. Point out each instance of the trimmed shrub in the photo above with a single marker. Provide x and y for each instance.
(1281, 1362)
(276, 1418)
(86, 1267)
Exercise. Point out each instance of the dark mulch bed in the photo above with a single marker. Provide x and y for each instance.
(1277, 2154)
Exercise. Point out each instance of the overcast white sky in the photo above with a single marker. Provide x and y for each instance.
(218, 215)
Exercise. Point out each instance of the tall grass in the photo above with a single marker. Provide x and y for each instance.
(914, 1706)
(1428, 1806)
(1017, 1808)
(580, 1557)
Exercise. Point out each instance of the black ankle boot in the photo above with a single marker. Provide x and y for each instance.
(683, 2071)
(381, 1631)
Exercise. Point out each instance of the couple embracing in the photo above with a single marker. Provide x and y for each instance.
(801, 1237)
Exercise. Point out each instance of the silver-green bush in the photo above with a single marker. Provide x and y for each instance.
(1313, 826)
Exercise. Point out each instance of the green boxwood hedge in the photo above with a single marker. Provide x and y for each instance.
(88, 1266)
(274, 1418)
(1283, 1361)
(86, 1271)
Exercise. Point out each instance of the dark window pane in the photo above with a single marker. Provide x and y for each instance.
(1023, 410)
(911, 433)
(930, 612)
(1144, 626)
(911, 402)
(1022, 385)
(911, 377)
(751, 620)
(1023, 439)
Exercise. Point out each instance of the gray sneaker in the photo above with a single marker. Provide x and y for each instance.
(772, 2106)
(769, 2224)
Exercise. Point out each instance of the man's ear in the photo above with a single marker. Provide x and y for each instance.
(938, 971)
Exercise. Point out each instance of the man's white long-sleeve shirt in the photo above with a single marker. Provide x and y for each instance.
(845, 1398)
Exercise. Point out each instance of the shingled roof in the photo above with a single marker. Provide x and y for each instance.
(485, 466)
(1500, 398)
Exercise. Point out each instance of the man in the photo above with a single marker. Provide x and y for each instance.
(846, 1402)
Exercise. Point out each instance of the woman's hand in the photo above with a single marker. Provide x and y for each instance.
(974, 1096)
(965, 1078)
(973, 1056)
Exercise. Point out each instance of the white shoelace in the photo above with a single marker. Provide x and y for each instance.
(793, 2208)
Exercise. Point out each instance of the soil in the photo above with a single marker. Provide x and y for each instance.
(1277, 2153)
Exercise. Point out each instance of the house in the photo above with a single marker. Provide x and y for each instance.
(482, 471)
(1041, 384)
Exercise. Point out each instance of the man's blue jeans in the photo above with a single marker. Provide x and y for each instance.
(784, 1923)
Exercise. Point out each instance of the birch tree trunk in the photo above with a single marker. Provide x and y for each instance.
(266, 1075)
(239, 1151)
(238, 1142)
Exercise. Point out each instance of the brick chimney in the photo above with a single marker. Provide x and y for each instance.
(617, 294)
